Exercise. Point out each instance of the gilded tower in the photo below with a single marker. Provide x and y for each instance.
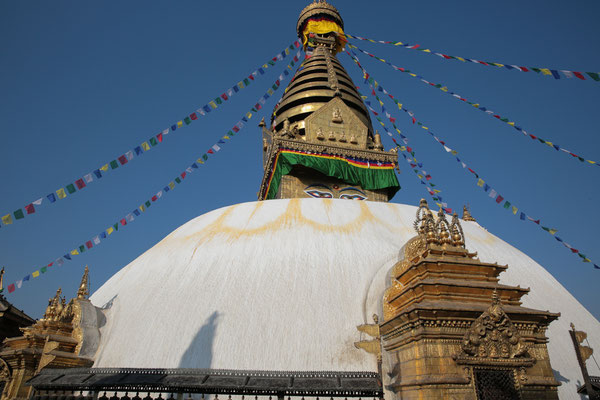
(320, 142)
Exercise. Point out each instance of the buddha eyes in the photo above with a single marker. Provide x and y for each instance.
(320, 191)
(352, 197)
(319, 194)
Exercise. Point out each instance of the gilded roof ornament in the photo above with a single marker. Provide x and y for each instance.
(84, 291)
(316, 8)
(2, 280)
(467, 215)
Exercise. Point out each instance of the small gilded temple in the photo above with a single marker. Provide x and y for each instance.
(321, 288)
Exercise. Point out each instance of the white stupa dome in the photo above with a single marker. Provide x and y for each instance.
(282, 285)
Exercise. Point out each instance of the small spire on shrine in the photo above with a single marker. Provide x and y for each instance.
(84, 291)
(467, 215)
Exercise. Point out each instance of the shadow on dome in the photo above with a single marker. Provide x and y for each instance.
(200, 351)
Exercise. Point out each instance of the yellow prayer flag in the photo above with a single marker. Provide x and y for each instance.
(514, 210)
(381, 59)
(549, 144)
(200, 161)
(241, 85)
(7, 219)
(398, 44)
(74, 252)
(545, 71)
(439, 205)
(110, 230)
(171, 185)
(480, 182)
(61, 193)
(444, 89)
(104, 167)
(498, 65)
(586, 260)
(179, 124)
(399, 106)
(145, 146)
(142, 208)
(476, 105)
(552, 231)
(511, 123)
(426, 51)
(591, 162)
(419, 176)
(265, 66)
(212, 104)
(424, 127)
(454, 152)
(461, 59)
(249, 115)
(35, 274)
(437, 191)
(402, 148)
(413, 75)
(226, 137)
(287, 51)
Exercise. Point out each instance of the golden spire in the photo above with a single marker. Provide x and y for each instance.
(2, 280)
(83, 290)
(467, 215)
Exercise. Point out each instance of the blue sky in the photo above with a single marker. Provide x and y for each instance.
(83, 82)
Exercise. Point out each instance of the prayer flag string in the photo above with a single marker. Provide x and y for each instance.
(555, 73)
(143, 207)
(145, 146)
(479, 107)
(410, 156)
(492, 193)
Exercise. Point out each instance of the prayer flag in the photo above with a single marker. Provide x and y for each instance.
(30, 208)
(88, 178)
(153, 141)
(7, 219)
(137, 212)
(172, 185)
(187, 120)
(80, 183)
(71, 188)
(499, 199)
(480, 182)
(193, 116)
(123, 222)
(183, 175)
(43, 270)
(514, 210)
(114, 165)
(594, 76)
(89, 244)
(104, 167)
(579, 75)
(145, 146)
(138, 150)
(179, 124)
(96, 240)
(555, 74)
(51, 197)
(11, 288)
(67, 256)
(129, 155)
(35, 274)
(216, 148)
(507, 205)
(147, 203)
(129, 217)
(178, 180)
(60, 262)
(19, 214)
(19, 284)
(98, 173)
(26, 278)
(493, 193)
(82, 249)
(74, 252)
(109, 230)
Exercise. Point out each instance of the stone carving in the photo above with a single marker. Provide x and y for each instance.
(337, 116)
(331, 136)
(320, 135)
(493, 335)
(343, 138)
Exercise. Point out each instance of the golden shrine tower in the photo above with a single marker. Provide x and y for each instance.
(321, 142)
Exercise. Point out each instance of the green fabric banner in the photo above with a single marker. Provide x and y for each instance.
(367, 178)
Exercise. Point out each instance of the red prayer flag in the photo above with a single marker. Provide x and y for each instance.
(123, 222)
(11, 288)
(122, 159)
(497, 116)
(579, 75)
(499, 199)
(446, 57)
(532, 136)
(154, 198)
(89, 244)
(30, 208)
(193, 116)
(448, 210)
(224, 97)
(524, 69)
(574, 250)
(210, 151)
(51, 264)
(80, 183)
(183, 175)
(414, 120)
(236, 129)
(159, 137)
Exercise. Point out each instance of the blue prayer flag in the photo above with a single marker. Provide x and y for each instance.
(522, 216)
(194, 165)
(206, 108)
(26, 278)
(98, 173)
(51, 197)
(103, 235)
(138, 151)
(173, 127)
(136, 212)
(67, 256)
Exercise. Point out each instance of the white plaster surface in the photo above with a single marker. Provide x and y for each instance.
(282, 284)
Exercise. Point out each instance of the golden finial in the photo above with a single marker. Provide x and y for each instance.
(443, 228)
(320, 7)
(2, 280)
(83, 290)
(419, 224)
(262, 123)
(467, 215)
(430, 228)
(458, 237)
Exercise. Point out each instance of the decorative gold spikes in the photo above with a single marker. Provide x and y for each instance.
(467, 215)
(84, 291)
(458, 237)
(438, 232)
(443, 228)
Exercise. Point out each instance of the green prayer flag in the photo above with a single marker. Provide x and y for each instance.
(148, 203)
(81, 248)
(546, 229)
(230, 133)
(70, 188)
(116, 226)
(271, 62)
(246, 81)
(507, 204)
(19, 214)
(504, 119)
(177, 180)
(187, 120)
(536, 70)
(153, 141)
(43, 270)
(218, 100)
(114, 164)
(204, 157)
(594, 76)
